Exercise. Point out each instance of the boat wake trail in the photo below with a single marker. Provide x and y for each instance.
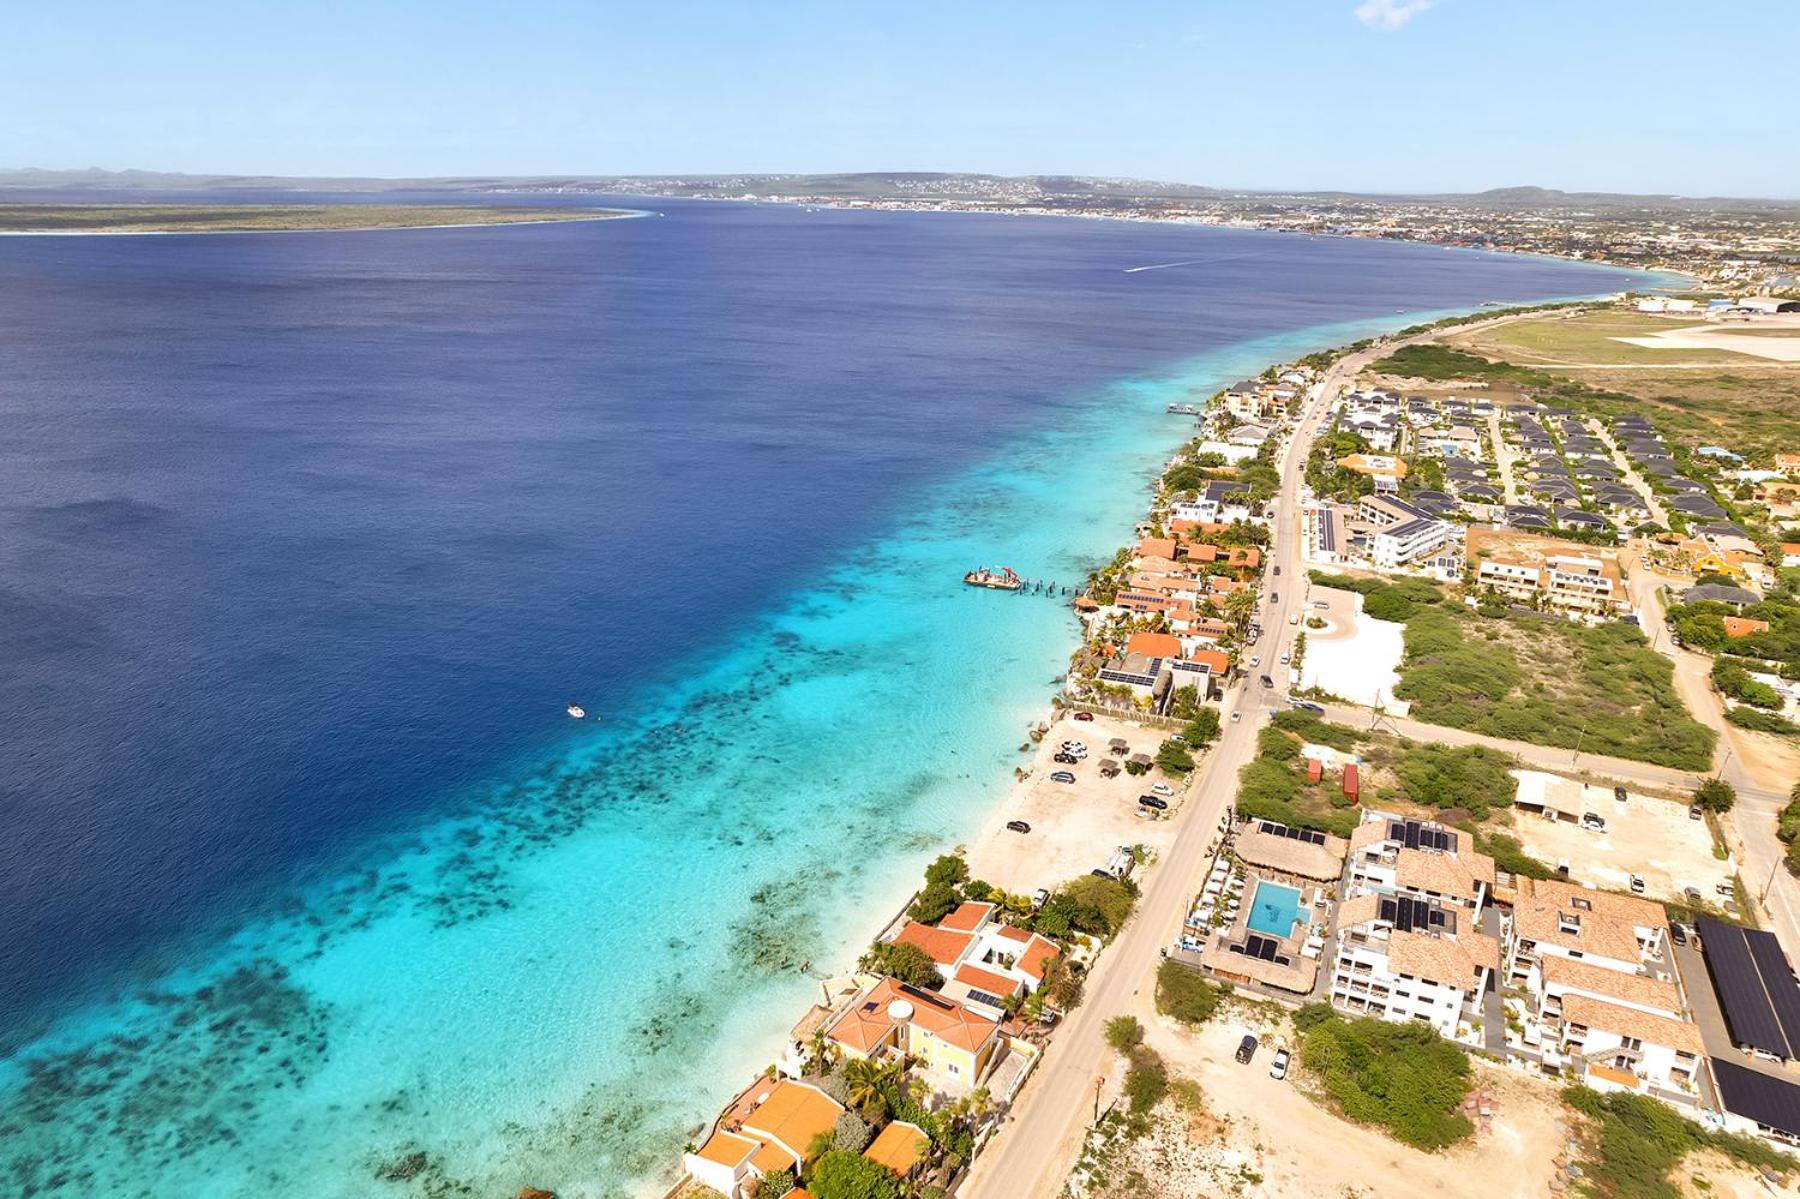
(1163, 266)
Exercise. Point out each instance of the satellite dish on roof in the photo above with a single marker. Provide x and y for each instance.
(900, 1009)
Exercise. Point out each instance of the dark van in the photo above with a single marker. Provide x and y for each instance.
(1246, 1049)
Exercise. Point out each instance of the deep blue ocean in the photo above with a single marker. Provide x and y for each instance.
(307, 539)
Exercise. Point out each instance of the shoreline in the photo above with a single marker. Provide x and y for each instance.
(1691, 281)
(1011, 861)
(968, 785)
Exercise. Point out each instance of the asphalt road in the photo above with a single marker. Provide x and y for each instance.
(1035, 1151)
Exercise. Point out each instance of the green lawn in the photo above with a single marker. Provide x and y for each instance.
(1592, 338)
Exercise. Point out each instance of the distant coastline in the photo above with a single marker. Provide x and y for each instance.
(132, 220)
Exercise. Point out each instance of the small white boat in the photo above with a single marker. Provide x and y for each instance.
(576, 711)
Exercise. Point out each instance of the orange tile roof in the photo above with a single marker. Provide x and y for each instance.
(1607, 924)
(1156, 547)
(1037, 956)
(727, 1149)
(944, 946)
(1743, 626)
(1153, 645)
(772, 1156)
(1435, 959)
(986, 980)
(866, 1025)
(1639, 989)
(967, 917)
(1215, 660)
(899, 1147)
(1442, 873)
(1601, 1016)
(943, 1018)
(792, 1115)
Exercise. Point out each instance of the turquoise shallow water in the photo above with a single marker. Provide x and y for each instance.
(559, 983)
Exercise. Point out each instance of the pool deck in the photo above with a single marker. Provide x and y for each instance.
(1301, 973)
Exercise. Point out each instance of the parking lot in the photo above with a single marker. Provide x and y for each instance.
(1650, 837)
(1074, 826)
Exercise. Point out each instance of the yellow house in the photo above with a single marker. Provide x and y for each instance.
(943, 1035)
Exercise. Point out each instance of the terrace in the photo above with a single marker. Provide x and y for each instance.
(1260, 925)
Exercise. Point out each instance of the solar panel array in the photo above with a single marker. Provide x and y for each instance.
(1756, 989)
(1265, 949)
(1293, 834)
(1778, 981)
(1408, 914)
(1770, 1101)
(1414, 835)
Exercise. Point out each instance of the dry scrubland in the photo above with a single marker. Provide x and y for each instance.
(247, 218)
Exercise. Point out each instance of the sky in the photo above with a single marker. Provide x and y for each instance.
(1367, 95)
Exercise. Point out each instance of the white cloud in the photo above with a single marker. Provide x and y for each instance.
(1388, 15)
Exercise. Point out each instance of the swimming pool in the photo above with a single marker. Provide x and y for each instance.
(1275, 909)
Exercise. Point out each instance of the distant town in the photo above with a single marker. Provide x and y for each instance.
(1747, 244)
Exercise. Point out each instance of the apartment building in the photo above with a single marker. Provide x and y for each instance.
(1410, 945)
(1603, 997)
(1562, 576)
(1408, 542)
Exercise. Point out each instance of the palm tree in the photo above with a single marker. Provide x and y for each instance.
(1239, 605)
(868, 1080)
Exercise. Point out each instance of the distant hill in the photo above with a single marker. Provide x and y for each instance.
(865, 185)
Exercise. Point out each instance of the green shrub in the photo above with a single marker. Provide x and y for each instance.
(1617, 697)
(904, 961)
(1124, 1033)
(1762, 722)
(1174, 757)
(1186, 994)
(1203, 729)
(775, 1184)
(1401, 1077)
(841, 1174)
(1315, 730)
(1734, 680)
(1641, 1140)
(1473, 777)
(1100, 906)
(850, 1132)
(1509, 856)
(1146, 1080)
(1715, 795)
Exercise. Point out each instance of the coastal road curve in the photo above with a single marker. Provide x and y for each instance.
(1034, 1152)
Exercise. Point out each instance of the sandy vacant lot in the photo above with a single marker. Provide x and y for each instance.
(1353, 656)
(1644, 835)
(1271, 1138)
(1074, 827)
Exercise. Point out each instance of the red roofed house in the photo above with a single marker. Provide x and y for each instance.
(944, 946)
(1157, 547)
(769, 1129)
(1743, 626)
(1153, 645)
(984, 962)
